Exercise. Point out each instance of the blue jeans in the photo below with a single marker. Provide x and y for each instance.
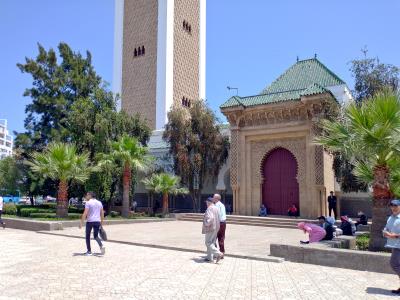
(96, 227)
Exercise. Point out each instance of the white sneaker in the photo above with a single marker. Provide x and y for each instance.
(88, 253)
(103, 250)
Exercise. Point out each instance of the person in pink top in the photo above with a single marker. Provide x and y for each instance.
(315, 232)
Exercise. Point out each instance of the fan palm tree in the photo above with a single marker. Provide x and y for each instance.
(151, 184)
(369, 136)
(166, 184)
(131, 156)
(62, 163)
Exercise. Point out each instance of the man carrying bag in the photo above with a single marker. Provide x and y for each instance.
(94, 216)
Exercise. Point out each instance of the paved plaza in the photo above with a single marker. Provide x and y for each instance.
(248, 241)
(42, 266)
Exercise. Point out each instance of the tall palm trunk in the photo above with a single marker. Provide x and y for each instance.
(165, 203)
(62, 199)
(126, 183)
(382, 196)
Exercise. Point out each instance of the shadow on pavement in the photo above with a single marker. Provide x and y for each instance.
(200, 260)
(83, 254)
(379, 291)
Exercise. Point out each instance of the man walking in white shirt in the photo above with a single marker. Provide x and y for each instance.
(94, 216)
(1, 211)
(222, 223)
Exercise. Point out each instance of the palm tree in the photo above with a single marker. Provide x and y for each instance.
(166, 184)
(62, 163)
(131, 156)
(151, 184)
(369, 136)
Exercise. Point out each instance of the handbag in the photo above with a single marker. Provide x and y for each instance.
(103, 234)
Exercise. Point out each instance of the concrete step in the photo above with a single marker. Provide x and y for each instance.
(278, 222)
(231, 221)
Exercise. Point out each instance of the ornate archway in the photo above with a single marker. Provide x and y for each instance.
(280, 187)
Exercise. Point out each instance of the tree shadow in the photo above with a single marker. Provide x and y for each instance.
(379, 291)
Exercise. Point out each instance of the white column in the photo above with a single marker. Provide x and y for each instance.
(202, 52)
(165, 61)
(118, 46)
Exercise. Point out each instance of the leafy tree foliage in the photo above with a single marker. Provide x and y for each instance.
(372, 76)
(71, 103)
(128, 155)
(166, 184)
(11, 176)
(368, 137)
(197, 146)
(61, 162)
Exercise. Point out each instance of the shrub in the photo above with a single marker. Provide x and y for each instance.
(114, 214)
(362, 242)
(73, 209)
(9, 209)
(25, 212)
(51, 215)
(49, 206)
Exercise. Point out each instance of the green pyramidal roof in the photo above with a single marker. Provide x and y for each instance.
(306, 77)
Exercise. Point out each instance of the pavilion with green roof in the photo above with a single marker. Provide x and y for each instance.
(273, 159)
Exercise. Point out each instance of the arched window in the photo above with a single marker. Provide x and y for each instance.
(135, 52)
(190, 29)
(189, 103)
(142, 50)
(184, 24)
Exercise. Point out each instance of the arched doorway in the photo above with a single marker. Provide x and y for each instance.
(280, 187)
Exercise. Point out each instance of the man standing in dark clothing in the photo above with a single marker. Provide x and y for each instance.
(332, 204)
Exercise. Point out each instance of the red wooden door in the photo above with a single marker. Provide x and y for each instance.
(280, 186)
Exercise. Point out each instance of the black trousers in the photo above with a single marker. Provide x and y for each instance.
(332, 208)
(1, 221)
(96, 228)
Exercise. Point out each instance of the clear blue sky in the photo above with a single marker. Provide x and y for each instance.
(249, 43)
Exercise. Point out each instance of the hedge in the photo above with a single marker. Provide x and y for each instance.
(9, 209)
(50, 206)
(47, 215)
(26, 212)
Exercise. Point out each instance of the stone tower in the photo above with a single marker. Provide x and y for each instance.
(159, 56)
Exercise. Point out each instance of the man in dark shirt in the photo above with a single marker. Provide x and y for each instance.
(332, 204)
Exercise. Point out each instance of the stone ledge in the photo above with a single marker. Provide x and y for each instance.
(338, 258)
(33, 225)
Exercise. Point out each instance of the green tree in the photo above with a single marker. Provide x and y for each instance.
(197, 146)
(131, 157)
(61, 162)
(165, 184)
(71, 103)
(151, 184)
(11, 176)
(368, 136)
(372, 76)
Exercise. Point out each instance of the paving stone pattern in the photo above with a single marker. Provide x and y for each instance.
(42, 266)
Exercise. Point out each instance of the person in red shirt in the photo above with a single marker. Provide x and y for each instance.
(293, 211)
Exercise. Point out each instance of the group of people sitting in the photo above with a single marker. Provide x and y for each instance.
(326, 229)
